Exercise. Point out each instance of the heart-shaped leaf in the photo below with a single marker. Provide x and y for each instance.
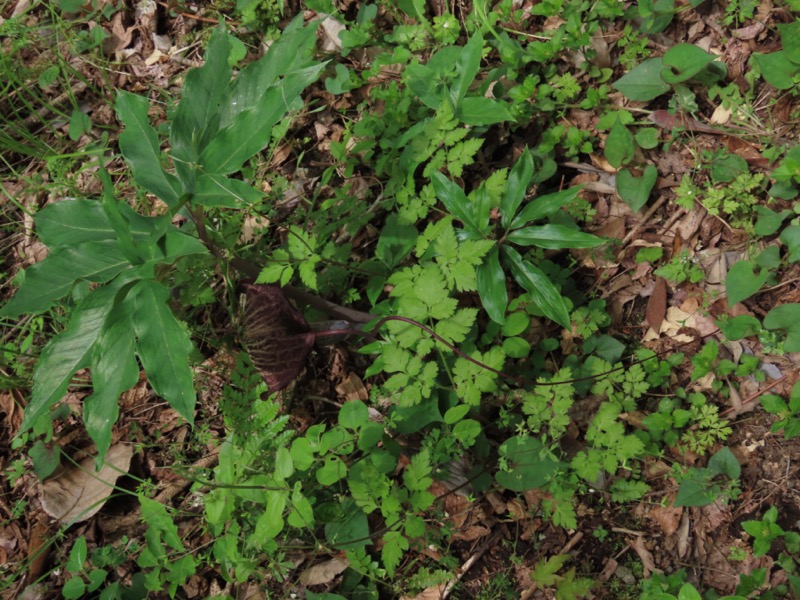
(276, 335)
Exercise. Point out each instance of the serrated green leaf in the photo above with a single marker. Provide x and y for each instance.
(539, 286)
(554, 237)
(394, 544)
(163, 346)
(114, 370)
(139, 145)
(67, 352)
(519, 178)
(53, 278)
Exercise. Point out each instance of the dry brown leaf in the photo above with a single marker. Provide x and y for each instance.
(473, 532)
(331, 30)
(38, 547)
(323, 572)
(80, 491)
(657, 304)
(639, 546)
(432, 593)
(667, 517)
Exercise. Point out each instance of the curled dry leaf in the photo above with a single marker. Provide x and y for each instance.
(323, 572)
(276, 335)
(80, 492)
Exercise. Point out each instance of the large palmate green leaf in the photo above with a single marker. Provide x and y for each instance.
(249, 132)
(163, 346)
(539, 286)
(492, 286)
(291, 53)
(53, 278)
(198, 114)
(139, 146)
(67, 352)
(114, 370)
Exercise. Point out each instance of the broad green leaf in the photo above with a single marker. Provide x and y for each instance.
(139, 145)
(291, 53)
(742, 281)
(478, 111)
(175, 244)
(529, 464)
(353, 414)
(155, 514)
(250, 131)
(724, 462)
(684, 61)
(163, 346)
(114, 370)
(776, 68)
(740, 327)
(643, 82)
(467, 65)
(114, 215)
(454, 200)
(619, 146)
(539, 286)
(519, 178)
(790, 40)
(397, 239)
(77, 556)
(350, 529)
(786, 316)
(635, 191)
(197, 116)
(73, 221)
(67, 352)
(553, 237)
(53, 278)
(217, 190)
(544, 206)
(492, 286)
